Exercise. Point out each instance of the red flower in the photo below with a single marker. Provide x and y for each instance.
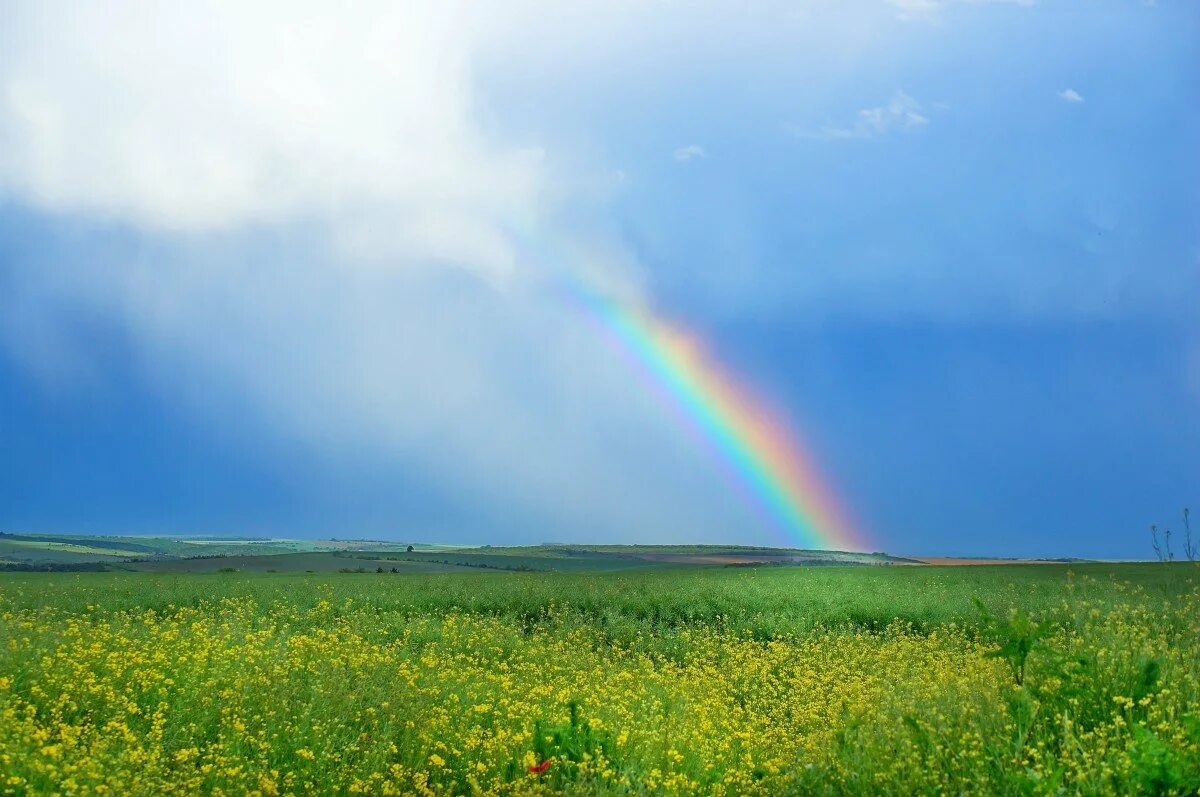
(542, 767)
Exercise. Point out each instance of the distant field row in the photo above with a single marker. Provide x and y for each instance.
(37, 549)
(765, 600)
(163, 554)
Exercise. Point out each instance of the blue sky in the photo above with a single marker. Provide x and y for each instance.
(257, 273)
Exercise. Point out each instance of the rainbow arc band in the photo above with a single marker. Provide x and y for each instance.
(764, 455)
(762, 452)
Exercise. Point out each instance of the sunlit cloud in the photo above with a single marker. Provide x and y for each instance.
(901, 113)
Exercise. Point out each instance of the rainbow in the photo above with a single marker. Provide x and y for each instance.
(760, 450)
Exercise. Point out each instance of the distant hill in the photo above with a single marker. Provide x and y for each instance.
(50, 551)
(202, 554)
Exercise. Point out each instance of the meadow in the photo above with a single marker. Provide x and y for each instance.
(1014, 679)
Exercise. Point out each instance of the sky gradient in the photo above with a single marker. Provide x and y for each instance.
(259, 271)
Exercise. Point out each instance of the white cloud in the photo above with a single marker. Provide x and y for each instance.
(200, 117)
(199, 124)
(901, 113)
(689, 152)
(1071, 95)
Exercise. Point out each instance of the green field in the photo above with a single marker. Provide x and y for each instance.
(655, 677)
(315, 562)
(50, 551)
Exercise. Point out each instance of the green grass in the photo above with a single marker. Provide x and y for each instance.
(767, 600)
(318, 562)
(50, 549)
(523, 559)
(1081, 678)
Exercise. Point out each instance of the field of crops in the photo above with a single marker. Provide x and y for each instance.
(867, 680)
(82, 553)
(45, 551)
